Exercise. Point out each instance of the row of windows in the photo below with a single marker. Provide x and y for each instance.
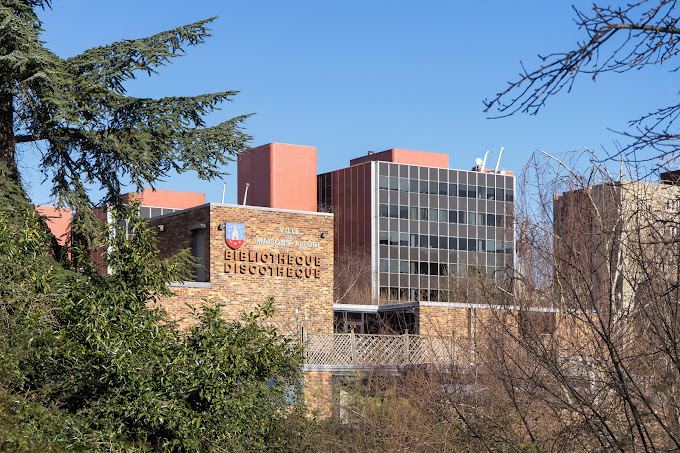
(443, 188)
(442, 215)
(411, 294)
(445, 242)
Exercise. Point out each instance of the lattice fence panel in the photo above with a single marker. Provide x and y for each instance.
(373, 350)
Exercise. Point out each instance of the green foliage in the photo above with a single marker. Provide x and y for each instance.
(94, 133)
(87, 362)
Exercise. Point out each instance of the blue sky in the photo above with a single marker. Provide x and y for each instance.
(353, 76)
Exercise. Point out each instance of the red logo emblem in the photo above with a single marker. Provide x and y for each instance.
(235, 234)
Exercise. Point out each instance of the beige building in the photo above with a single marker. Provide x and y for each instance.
(616, 242)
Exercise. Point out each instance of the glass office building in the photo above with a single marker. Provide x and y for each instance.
(420, 222)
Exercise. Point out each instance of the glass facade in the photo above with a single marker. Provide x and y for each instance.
(435, 224)
(430, 225)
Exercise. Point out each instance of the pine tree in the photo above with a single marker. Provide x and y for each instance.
(93, 133)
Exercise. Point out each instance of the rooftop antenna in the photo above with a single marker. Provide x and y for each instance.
(478, 164)
(224, 187)
(484, 161)
(245, 195)
(498, 163)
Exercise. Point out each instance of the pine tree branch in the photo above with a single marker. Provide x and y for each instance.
(27, 138)
(115, 63)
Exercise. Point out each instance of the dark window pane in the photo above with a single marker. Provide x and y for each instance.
(384, 210)
(462, 217)
(433, 187)
(443, 188)
(413, 240)
(443, 215)
(423, 186)
(462, 190)
(413, 267)
(500, 194)
(443, 242)
(472, 245)
(462, 244)
(383, 237)
(394, 183)
(453, 243)
(490, 193)
(499, 220)
(383, 183)
(423, 240)
(423, 213)
(481, 192)
(403, 239)
(508, 195)
(472, 218)
(491, 220)
(394, 238)
(413, 185)
(384, 267)
(472, 191)
(453, 216)
(403, 267)
(413, 213)
(394, 210)
(434, 267)
(403, 212)
(453, 190)
(481, 219)
(481, 245)
(424, 268)
(434, 242)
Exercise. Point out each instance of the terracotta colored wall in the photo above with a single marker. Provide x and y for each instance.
(306, 300)
(406, 156)
(281, 176)
(167, 198)
(58, 220)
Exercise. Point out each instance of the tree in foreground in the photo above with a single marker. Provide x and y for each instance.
(88, 362)
(89, 130)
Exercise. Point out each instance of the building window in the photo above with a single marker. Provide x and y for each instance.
(403, 212)
(384, 210)
(403, 239)
(413, 242)
(443, 188)
(382, 183)
(383, 238)
(490, 193)
(394, 183)
(453, 217)
(673, 204)
(394, 238)
(403, 184)
(462, 190)
(198, 250)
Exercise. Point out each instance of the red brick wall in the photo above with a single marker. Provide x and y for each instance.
(302, 280)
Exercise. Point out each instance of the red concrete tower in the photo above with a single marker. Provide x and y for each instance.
(279, 176)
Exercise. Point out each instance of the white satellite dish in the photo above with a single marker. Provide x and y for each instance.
(479, 162)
